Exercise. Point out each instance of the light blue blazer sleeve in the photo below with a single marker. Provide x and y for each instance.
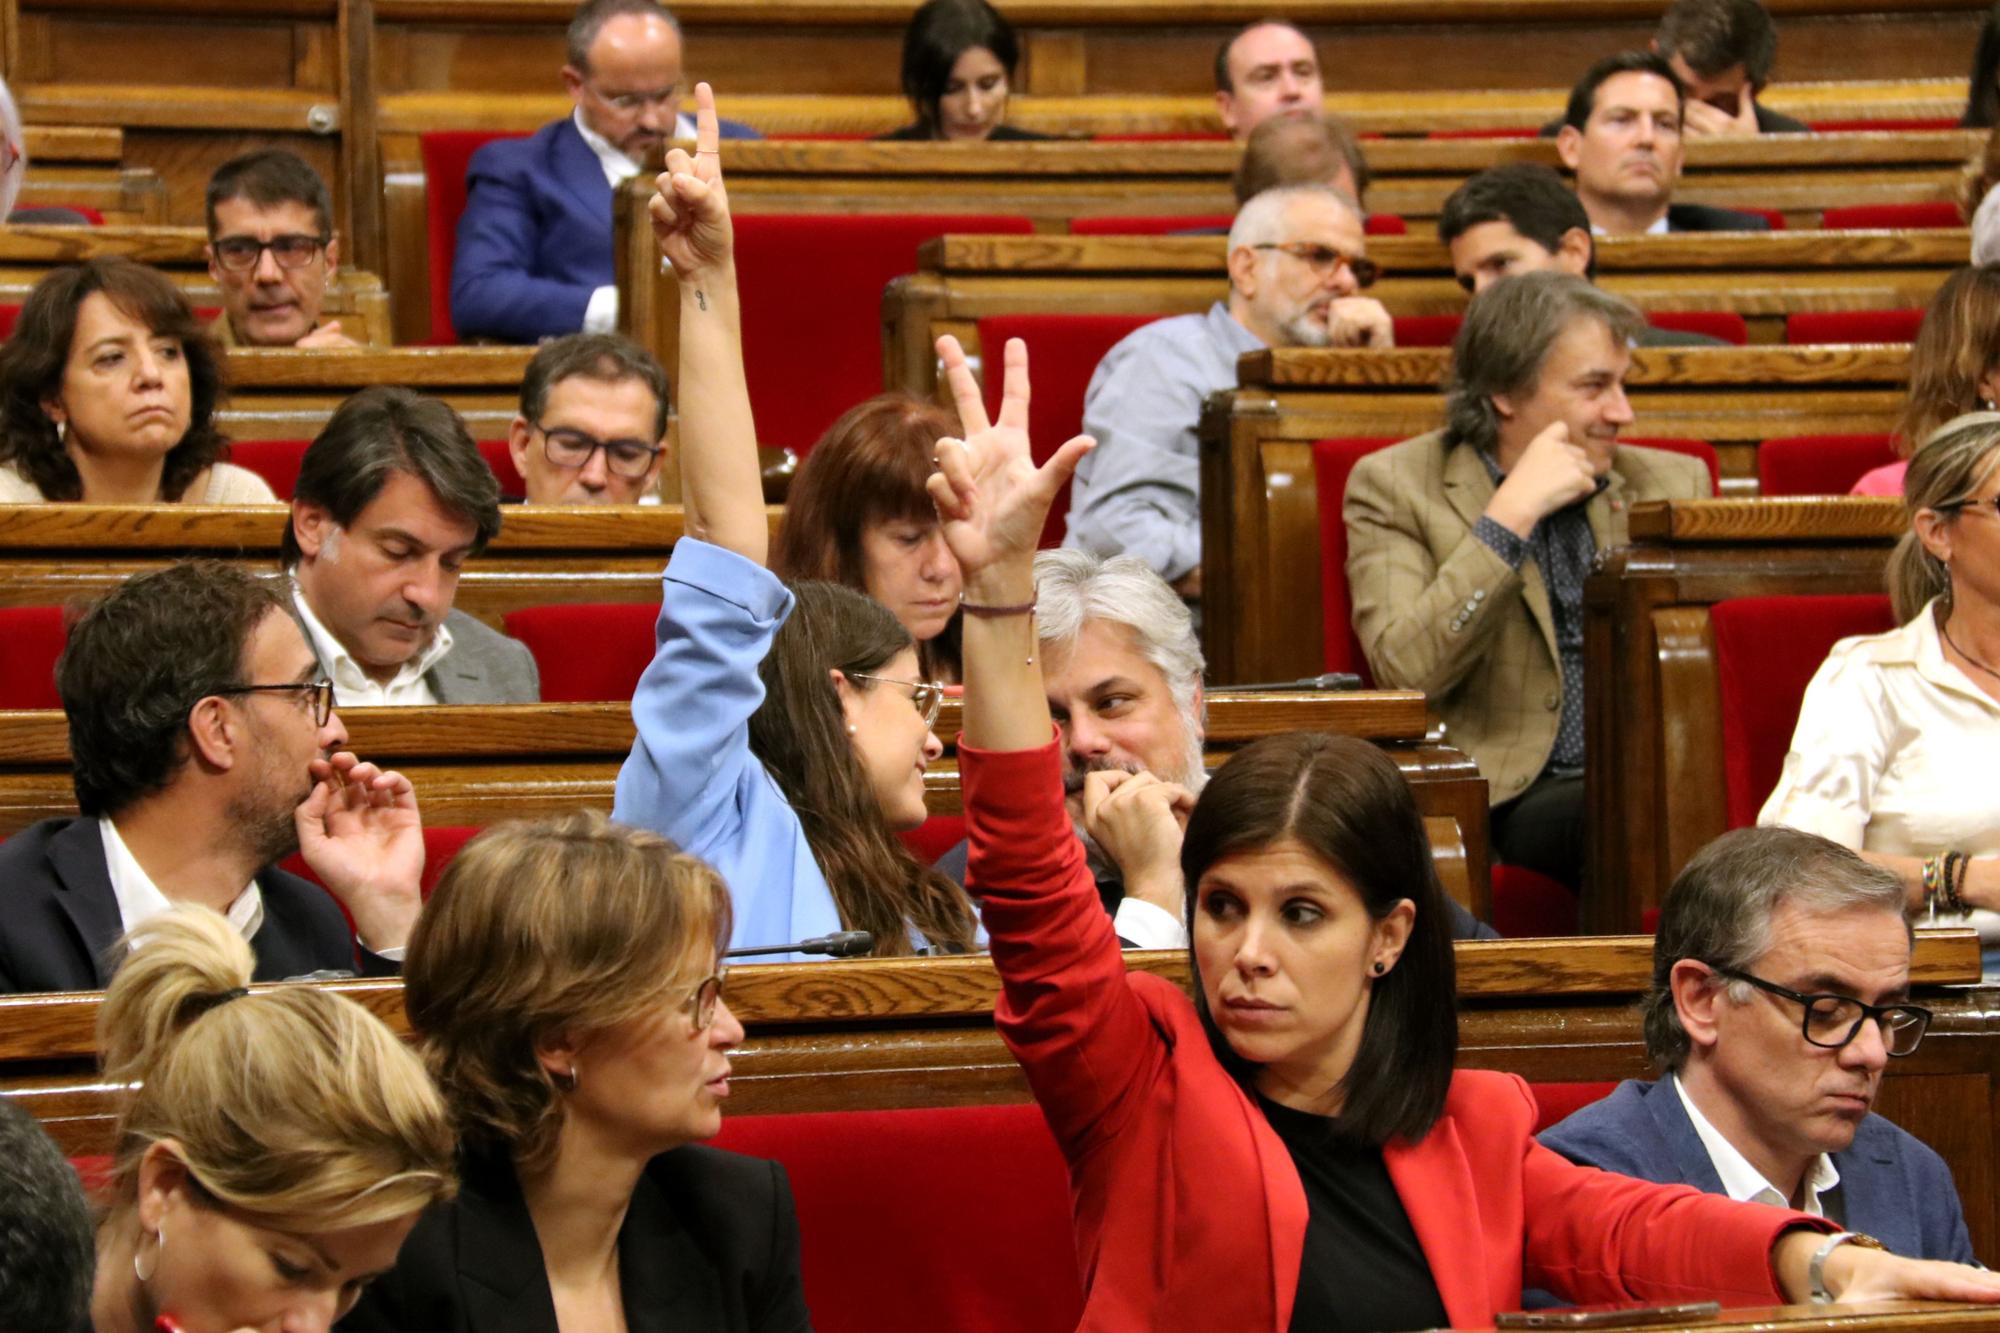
(691, 776)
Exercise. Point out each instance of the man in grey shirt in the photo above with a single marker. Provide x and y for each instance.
(1297, 263)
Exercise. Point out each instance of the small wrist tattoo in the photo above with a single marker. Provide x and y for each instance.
(701, 298)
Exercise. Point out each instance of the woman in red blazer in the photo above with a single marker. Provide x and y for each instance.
(1294, 1147)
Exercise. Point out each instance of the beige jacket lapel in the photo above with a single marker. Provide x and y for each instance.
(1469, 489)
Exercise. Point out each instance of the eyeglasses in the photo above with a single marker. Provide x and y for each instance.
(926, 695)
(630, 103)
(1831, 1021)
(1324, 260)
(572, 449)
(321, 690)
(1975, 502)
(239, 254)
(701, 1004)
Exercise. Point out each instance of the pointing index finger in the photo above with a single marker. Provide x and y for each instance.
(707, 129)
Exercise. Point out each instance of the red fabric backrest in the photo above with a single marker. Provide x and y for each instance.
(1333, 461)
(1556, 1102)
(1853, 326)
(1701, 449)
(1063, 352)
(934, 837)
(277, 462)
(31, 639)
(1766, 651)
(812, 301)
(1528, 905)
(498, 458)
(1890, 123)
(587, 652)
(1384, 224)
(446, 155)
(953, 1218)
(1819, 464)
(441, 843)
(1426, 330)
(1873, 217)
(1722, 324)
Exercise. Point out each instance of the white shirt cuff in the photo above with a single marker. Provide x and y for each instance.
(601, 315)
(1148, 926)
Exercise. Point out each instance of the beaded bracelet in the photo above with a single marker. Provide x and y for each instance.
(1026, 608)
(1954, 880)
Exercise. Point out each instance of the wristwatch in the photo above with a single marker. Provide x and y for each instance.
(1816, 1270)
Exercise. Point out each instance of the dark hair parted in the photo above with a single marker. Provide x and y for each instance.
(1348, 804)
(1583, 97)
(1527, 196)
(939, 33)
(592, 15)
(1505, 340)
(34, 357)
(800, 736)
(1715, 35)
(1223, 82)
(139, 659)
(869, 467)
(47, 1247)
(268, 178)
(1982, 94)
(608, 358)
(1299, 150)
(383, 430)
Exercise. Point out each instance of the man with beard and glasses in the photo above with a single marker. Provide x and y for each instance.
(1297, 264)
(206, 748)
(392, 498)
(1123, 672)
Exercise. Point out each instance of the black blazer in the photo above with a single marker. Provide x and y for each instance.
(710, 1243)
(59, 917)
(1706, 217)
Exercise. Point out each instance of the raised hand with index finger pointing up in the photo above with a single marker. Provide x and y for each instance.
(690, 207)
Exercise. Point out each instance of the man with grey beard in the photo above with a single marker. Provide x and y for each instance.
(1298, 262)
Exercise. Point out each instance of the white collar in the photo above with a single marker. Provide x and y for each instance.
(1744, 1182)
(140, 900)
(1659, 227)
(618, 168)
(350, 680)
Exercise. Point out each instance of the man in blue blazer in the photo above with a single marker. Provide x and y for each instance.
(1781, 978)
(534, 243)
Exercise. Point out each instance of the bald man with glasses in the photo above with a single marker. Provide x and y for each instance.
(1781, 991)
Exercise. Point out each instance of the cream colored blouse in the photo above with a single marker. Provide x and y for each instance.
(225, 484)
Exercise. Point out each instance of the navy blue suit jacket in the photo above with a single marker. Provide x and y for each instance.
(1892, 1186)
(535, 238)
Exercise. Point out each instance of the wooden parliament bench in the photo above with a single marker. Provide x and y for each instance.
(1260, 510)
(1653, 732)
(288, 393)
(84, 166)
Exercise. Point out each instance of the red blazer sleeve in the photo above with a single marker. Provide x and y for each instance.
(1066, 1010)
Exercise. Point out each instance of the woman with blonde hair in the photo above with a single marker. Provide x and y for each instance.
(275, 1147)
(1954, 367)
(566, 982)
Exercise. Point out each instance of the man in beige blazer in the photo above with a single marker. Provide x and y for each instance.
(1467, 547)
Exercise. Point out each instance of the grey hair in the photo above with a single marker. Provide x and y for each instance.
(1946, 469)
(592, 15)
(1720, 907)
(1261, 219)
(1505, 340)
(1073, 588)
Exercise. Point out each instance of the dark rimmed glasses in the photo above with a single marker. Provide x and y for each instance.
(1987, 502)
(700, 1005)
(1325, 261)
(571, 449)
(240, 254)
(1831, 1021)
(321, 691)
(926, 696)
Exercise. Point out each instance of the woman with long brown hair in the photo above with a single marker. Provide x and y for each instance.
(1954, 368)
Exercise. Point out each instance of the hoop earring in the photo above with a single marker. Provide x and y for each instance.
(567, 1079)
(159, 1236)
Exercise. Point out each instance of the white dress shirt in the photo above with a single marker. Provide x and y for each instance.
(353, 687)
(601, 315)
(1745, 1183)
(140, 900)
(1659, 227)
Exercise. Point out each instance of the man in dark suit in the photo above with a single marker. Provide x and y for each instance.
(1781, 981)
(534, 243)
(206, 747)
(392, 498)
(1621, 136)
(1722, 52)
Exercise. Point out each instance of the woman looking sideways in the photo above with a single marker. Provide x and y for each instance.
(782, 732)
(1954, 368)
(959, 58)
(1304, 1107)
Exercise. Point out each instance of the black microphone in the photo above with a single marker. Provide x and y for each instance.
(1332, 680)
(840, 944)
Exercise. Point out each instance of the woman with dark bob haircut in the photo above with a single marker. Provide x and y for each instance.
(958, 67)
(108, 391)
(1293, 1148)
(858, 514)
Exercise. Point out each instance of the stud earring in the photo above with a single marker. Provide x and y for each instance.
(853, 730)
(1380, 967)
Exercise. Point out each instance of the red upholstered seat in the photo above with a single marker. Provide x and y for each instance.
(277, 462)
(1819, 464)
(1723, 324)
(954, 1218)
(1555, 1102)
(1885, 123)
(1427, 330)
(499, 459)
(587, 652)
(1766, 651)
(934, 837)
(1063, 352)
(812, 301)
(1529, 905)
(446, 155)
(1701, 449)
(31, 639)
(1853, 326)
(441, 843)
(1871, 217)
(1333, 462)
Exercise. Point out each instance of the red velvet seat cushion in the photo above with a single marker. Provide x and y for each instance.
(1872, 217)
(934, 837)
(1766, 651)
(446, 155)
(587, 652)
(1853, 326)
(1819, 464)
(1723, 324)
(1529, 905)
(1063, 352)
(501, 461)
(277, 462)
(812, 302)
(31, 639)
(1333, 462)
(954, 1218)
(1700, 449)
(1427, 330)
(1884, 123)
(1556, 1102)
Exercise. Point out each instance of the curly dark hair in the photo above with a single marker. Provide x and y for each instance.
(33, 359)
